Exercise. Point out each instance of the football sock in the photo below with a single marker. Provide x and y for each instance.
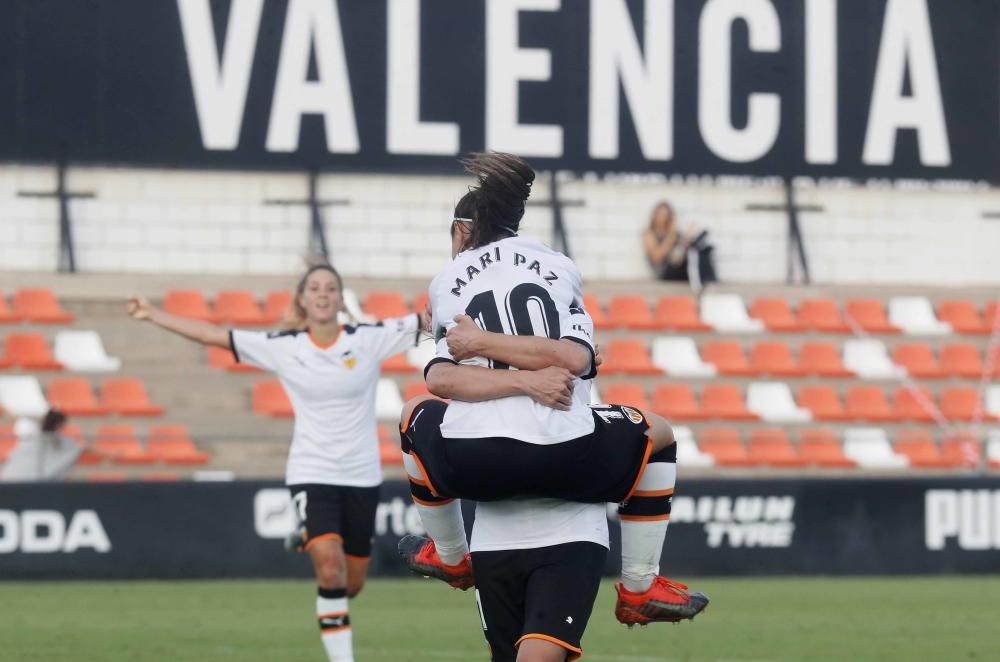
(644, 519)
(334, 624)
(442, 518)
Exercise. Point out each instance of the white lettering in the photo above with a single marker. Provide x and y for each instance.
(399, 517)
(10, 532)
(821, 81)
(974, 527)
(86, 530)
(972, 517)
(42, 531)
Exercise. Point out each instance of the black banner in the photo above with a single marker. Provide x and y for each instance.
(827, 88)
(719, 527)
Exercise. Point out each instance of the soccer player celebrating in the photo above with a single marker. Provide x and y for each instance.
(330, 373)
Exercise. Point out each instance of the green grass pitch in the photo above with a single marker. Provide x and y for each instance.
(749, 620)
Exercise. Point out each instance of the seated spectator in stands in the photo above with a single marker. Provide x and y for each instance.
(41, 452)
(674, 254)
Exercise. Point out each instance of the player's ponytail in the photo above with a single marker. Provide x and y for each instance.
(496, 204)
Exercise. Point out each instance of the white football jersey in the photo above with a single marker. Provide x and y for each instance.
(332, 390)
(532, 523)
(517, 286)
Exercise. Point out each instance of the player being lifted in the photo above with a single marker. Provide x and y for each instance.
(496, 440)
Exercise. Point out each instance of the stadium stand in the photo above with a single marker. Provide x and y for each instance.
(7, 316)
(914, 404)
(772, 447)
(39, 305)
(727, 313)
(823, 402)
(918, 359)
(384, 304)
(632, 312)
(728, 358)
(120, 445)
(776, 315)
(961, 360)
(237, 307)
(83, 351)
(688, 453)
(172, 444)
(30, 351)
(870, 316)
(725, 401)
(820, 447)
(915, 316)
(596, 312)
(962, 316)
(128, 397)
(388, 401)
(725, 447)
(869, 359)
(222, 358)
(188, 303)
(821, 315)
(774, 359)
(628, 357)
(869, 404)
(677, 402)
(679, 313)
(22, 395)
(918, 447)
(75, 397)
(870, 448)
(821, 359)
(275, 306)
(678, 357)
(269, 398)
(772, 402)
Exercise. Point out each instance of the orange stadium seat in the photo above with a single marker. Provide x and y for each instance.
(776, 314)
(962, 450)
(596, 312)
(128, 397)
(5, 361)
(626, 393)
(868, 403)
(7, 441)
(388, 447)
(679, 313)
(631, 311)
(676, 402)
(918, 359)
(398, 364)
(918, 446)
(188, 303)
(822, 315)
(962, 403)
(39, 305)
(913, 404)
(774, 358)
(990, 315)
(382, 305)
(772, 447)
(420, 302)
(107, 477)
(276, 305)
(269, 398)
(822, 359)
(728, 358)
(630, 357)
(963, 317)
(725, 445)
(75, 397)
(7, 316)
(820, 447)
(962, 360)
(220, 357)
(414, 389)
(172, 444)
(30, 351)
(726, 402)
(823, 402)
(120, 444)
(870, 316)
(237, 307)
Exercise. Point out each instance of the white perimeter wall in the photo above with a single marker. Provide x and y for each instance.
(215, 222)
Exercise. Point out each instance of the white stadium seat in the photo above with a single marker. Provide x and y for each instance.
(688, 453)
(388, 400)
(422, 354)
(870, 448)
(22, 396)
(869, 358)
(915, 316)
(679, 357)
(728, 313)
(353, 306)
(993, 447)
(773, 402)
(993, 400)
(83, 351)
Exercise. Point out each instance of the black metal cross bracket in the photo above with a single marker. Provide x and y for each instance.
(317, 234)
(560, 238)
(67, 252)
(796, 246)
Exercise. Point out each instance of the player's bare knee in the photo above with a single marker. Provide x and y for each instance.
(660, 431)
(354, 587)
(331, 576)
(538, 650)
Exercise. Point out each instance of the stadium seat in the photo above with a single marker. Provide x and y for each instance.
(868, 403)
(420, 301)
(269, 398)
(774, 358)
(29, 351)
(961, 403)
(728, 314)
(823, 402)
(414, 389)
(276, 306)
(388, 447)
(5, 361)
(627, 393)
(128, 397)
(74, 397)
(188, 303)
(776, 315)
(869, 359)
(596, 312)
(676, 402)
(222, 358)
(914, 404)
(22, 396)
(870, 448)
(961, 360)
(238, 308)
(993, 360)
(918, 446)
(422, 354)
(915, 316)
(629, 357)
(993, 449)
(725, 402)
(353, 312)
(771, 446)
(631, 311)
(679, 313)
(83, 351)
(869, 315)
(773, 402)
(725, 447)
(119, 444)
(962, 450)
(172, 444)
(823, 360)
(822, 315)
(992, 400)
(962, 316)
(398, 364)
(918, 359)
(388, 401)
(7, 441)
(688, 453)
(991, 315)
(39, 305)
(820, 447)
(728, 358)
(678, 357)
(384, 304)
(7, 315)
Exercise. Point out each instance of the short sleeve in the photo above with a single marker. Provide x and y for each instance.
(255, 348)
(578, 326)
(394, 335)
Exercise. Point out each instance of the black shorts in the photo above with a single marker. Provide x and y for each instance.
(546, 593)
(604, 466)
(339, 512)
